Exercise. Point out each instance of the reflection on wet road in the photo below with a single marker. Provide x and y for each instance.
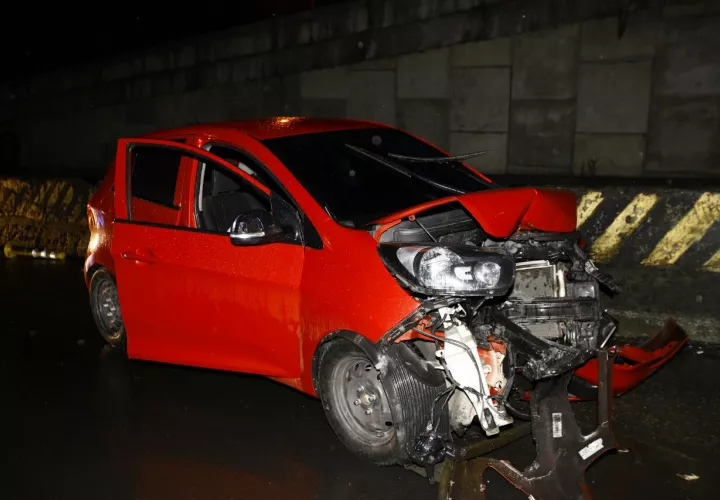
(81, 422)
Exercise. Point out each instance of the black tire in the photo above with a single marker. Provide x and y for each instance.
(105, 308)
(372, 436)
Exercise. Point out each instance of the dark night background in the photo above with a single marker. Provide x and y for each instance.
(554, 95)
(48, 37)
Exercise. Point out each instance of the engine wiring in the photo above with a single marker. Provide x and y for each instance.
(510, 380)
(466, 349)
(447, 394)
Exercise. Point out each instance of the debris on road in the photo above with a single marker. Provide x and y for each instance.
(688, 477)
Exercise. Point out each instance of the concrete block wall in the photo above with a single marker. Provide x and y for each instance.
(572, 100)
(546, 85)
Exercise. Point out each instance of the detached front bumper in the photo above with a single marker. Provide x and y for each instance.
(632, 365)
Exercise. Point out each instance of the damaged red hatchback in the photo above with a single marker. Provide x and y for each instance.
(349, 260)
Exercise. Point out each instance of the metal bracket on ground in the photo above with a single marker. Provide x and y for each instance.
(563, 453)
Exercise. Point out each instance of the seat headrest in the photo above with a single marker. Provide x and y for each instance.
(223, 183)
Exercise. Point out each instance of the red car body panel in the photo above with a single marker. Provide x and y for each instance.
(267, 128)
(257, 317)
(633, 364)
(101, 213)
(191, 297)
(204, 306)
(501, 212)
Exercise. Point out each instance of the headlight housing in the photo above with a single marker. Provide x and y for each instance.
(457, 270)
(582, 289)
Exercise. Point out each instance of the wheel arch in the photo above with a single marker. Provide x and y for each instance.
(90, 270)
(359, 340)
(96, 261)
(93, 269)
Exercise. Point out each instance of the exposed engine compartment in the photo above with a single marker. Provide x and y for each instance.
(556, 287)
(548, 322)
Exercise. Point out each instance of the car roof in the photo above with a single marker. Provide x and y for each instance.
(271, 128)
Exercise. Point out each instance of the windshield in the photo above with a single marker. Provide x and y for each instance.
(350, 172)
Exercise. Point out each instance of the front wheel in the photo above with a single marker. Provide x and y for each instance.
(106, 308)
(355, 402)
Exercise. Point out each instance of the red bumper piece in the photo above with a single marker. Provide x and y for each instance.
(633, 364)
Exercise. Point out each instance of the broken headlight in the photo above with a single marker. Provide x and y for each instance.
(449, 270)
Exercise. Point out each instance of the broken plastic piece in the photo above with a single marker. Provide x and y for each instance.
(633, 364)
(689, 477)
(559, 467)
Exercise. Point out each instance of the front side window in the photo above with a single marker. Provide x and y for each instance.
(248, 165)
(221, 196)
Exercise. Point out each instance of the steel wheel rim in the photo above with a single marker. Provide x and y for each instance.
(107, 310)
(362, 401)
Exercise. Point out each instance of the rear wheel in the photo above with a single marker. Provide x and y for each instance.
(355, 402)
(106, 308)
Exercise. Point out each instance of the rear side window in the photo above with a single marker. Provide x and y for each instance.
(154, 174)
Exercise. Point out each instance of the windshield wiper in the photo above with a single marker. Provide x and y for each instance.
(437, 159)
(402, 170)
(449, 159)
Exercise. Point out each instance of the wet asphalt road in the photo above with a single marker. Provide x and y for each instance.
(80, 422)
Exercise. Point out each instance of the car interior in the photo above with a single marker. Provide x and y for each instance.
(223, 196)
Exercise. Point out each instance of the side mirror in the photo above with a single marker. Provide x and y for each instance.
(256, 227)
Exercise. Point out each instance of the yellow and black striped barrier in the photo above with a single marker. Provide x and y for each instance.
(652, 228)
(44, 214)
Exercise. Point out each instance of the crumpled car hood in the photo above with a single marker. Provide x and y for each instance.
(501, 212)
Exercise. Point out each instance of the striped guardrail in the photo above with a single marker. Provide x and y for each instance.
(46, 200)
(630, 227)
(46, 214)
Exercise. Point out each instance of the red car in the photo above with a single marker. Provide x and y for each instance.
(351, 261)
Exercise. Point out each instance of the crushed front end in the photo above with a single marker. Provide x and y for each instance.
(494, 310)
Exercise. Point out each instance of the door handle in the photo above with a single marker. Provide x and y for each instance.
(140, 256)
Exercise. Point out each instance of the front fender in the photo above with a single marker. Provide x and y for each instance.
(363, 343)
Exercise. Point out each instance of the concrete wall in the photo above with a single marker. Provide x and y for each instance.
(547, 85)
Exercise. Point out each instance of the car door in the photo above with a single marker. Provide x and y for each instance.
(189, 295)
